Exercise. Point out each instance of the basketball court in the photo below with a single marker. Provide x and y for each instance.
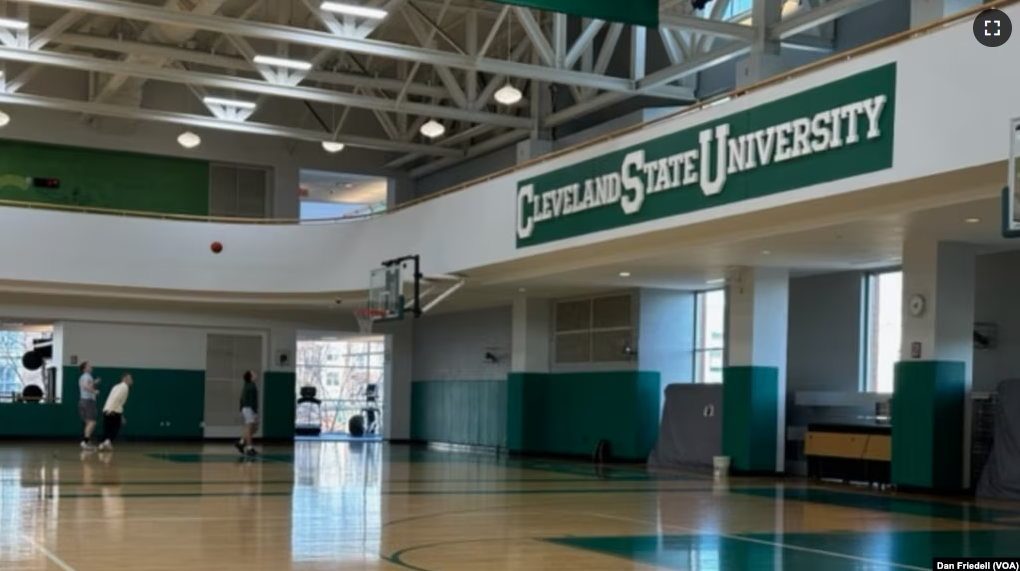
(374, 506)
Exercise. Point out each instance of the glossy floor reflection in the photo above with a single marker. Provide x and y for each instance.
(370, 506)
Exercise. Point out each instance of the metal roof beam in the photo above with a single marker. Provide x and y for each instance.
(202, 122)
(276, 32)
(215, 81)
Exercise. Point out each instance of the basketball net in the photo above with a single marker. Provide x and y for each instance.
(366, 317)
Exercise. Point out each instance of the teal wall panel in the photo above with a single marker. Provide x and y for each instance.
(163, 404)
(750, 417)
(279, 401)
(569, 413)
(104, 179)
(459, 412)
(927, 434)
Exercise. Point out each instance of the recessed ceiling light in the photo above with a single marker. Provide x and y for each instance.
(508, 95)
(522, 290)
(624, 274)
(348, 185)
(189, 140)
(972, 220)
(332, 146)
(716, 281)
(765, 252)
(432, 129)
(352, 10)
(283, 62)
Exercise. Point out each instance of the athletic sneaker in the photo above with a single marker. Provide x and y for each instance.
(251, 452)
(106, 445)
(87, 446)
(240, 446)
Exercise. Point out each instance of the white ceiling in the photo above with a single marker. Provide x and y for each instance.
(346, 188)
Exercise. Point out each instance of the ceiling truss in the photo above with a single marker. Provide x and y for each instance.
(440, 60)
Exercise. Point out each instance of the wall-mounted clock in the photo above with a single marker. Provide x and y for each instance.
(917, 305)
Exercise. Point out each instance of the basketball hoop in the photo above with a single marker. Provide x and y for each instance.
(367, 316)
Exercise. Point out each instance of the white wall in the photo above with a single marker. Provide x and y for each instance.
(174, 255)
(452, 346)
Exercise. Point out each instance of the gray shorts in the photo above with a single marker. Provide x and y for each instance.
(87, 410)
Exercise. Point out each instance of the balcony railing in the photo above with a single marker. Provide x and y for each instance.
(801, 71)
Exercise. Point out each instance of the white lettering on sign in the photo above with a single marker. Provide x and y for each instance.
(717, 157)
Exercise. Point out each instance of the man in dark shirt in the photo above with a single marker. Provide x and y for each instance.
(250, 412)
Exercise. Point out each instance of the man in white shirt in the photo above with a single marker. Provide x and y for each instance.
(88, 389)
(113, 411)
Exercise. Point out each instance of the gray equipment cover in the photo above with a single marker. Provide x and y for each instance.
(690, 433)
(1001, 475)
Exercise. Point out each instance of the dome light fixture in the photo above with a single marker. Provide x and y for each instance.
(433, 129)
(508, 95)
(5, 119)
(189, 140)
(332, 146)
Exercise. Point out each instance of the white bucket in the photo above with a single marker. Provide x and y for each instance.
(721, 466)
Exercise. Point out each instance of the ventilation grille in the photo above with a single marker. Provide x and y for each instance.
(594, 330)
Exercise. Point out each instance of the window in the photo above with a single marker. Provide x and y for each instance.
(709, 335)
(593, 330)
(14, 377)
(236, 191)
(342, 371)
(883, 305)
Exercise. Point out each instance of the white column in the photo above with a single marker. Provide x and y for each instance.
(757, 313)
(943, 274)
(531, 335)
(764, 60)
(396, 419)
(398, 191)
(926, 11)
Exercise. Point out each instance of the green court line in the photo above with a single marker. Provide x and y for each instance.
(289, 493)
(832, 551)
(35, 484)
(885, 503)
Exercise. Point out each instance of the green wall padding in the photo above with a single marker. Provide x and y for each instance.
(927, 431)
(104, 179)
(569, 413)
(163, 404)
(279, 401)
(750, 417)
(458, 412)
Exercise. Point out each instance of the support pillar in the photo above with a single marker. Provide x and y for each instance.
(932, 382)
(764, 61)
(399, 371)
(531, 331)
(754, 379)
(398, 191)
(927, 11)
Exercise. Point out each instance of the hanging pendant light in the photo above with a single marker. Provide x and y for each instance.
(433, 129)
(332, 146)
(189, 140)
(508, 95)
(5, 119)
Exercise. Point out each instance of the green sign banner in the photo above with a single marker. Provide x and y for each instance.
(635, 12)
(834, 131)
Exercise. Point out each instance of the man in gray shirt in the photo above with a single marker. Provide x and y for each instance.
(87, 404)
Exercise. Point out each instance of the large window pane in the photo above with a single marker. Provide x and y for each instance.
(884, 330)
(341, 370)
(710, 336)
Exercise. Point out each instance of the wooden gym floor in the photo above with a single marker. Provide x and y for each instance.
(372, 506)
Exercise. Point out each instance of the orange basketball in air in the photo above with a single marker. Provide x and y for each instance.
(216, 247)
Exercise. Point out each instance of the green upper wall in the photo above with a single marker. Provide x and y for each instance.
(104, 179)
